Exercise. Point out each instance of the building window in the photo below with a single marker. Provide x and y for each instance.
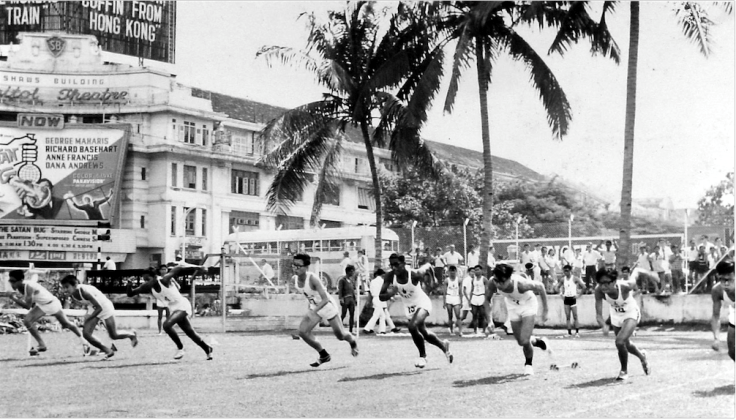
(388, 164)
(330, 224)
(143, 174)
(204, 179)
(204, 222)
(143, 222)
(244, 145)
(332, 195)
(205, 135)
(366, 200)
(289, 222)
(244, 182)
(189, 223)
(174, 174)
(189, 132)
(175, 129)
(190, 177)
(242, 221)
(173, 220)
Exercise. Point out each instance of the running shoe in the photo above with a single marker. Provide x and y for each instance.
(354, 349)
(395, 330)
(321, 361)
(645, 363)
(622, 376)
(367, 332)
(134, 339)
(209, 352)
(109, 356)
(528, 370)
(448, 354)
(113, 348)
(421, 362)
(179, 354)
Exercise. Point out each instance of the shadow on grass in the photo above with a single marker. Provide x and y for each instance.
(288, 372)
(491, 380)
(13, 360)
(106, 366)
(723, 390)
(382, 376)
(58, 363)
(596, 383)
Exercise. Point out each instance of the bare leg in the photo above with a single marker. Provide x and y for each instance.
(181, 319)
(169, 328)
(308, 323)
(568, 309)
(419, 317)
(114, 333)
(88, 332)
(729, 341)
(30, 323)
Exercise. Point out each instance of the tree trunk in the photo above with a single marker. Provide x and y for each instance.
(485, 238)
(624, 251)
(376, 194)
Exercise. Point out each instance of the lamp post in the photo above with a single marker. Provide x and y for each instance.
(465, 239)
(413, 225)
(569, 231)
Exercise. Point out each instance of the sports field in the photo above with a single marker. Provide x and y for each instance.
(268, 375)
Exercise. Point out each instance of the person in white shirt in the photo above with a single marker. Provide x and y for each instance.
(590, 262)
(657, 259)
(453, 257)
(692, 262)
(363, 267)
(608, 252)
(109, 264)
(525, 256)
(577, 263)
(439, 264)
(473, 257)
(554, 265)
(467, 286)
(380, 308)
(491, 262)
(346, 261)
(267, 270)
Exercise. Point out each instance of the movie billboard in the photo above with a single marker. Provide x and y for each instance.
(70, 176)
(145, 29)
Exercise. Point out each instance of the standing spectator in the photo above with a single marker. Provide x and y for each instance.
(346, 293)
(678, 276)
(477, 298)
(543, 267)
(713, 259)
(409, 258)
(702, 262)
(692, 263)
(590, 261)
(569, 288)
(525, 256)
(346, 261)
(535, 258)
(466, 290)
(438, 261)
(608, 252)
(657, 259)
(363, 267)
(453, 257)
(267, 271)
(491, 262)
(567, 256)
(473, 257)
(109, 264)
(706, 243)
(554, 265)
(453, 301)
(380, 308)
(577, 263)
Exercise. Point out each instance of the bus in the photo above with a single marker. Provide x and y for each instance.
(325, 246)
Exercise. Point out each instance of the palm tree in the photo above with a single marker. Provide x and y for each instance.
(365, 61)
(695, 24)
(485, 30)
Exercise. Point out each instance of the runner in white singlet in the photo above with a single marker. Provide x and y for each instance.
(453, 300)
(162, 307)
(40, 302)
(408, 284)
(478, 298)
(625, 314)
(723, 292)
(165, 289)
(321, 306)
(521, 305)
(99, 308)
(572, 287)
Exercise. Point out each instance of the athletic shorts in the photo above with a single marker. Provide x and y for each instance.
(477, 300)
(452, 300)
(570, 301)
(51, 308)
(181, 305)
(517, 312)
(107, 311)
(466, 305)
(692, 266)
(618, 318)
(327, 312)
(411, 307)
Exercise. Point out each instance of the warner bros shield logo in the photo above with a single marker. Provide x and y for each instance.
(56, 45)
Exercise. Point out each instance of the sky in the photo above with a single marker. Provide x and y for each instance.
(684, 138)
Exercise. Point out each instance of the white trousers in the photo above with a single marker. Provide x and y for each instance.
(380, 315)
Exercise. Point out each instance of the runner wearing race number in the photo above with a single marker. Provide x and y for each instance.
(407, 283)
(625, 315)
(723, 293)
(321, 306)
(521, 304)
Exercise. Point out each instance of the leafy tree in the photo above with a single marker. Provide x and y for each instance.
(371, 65)
(717, 207)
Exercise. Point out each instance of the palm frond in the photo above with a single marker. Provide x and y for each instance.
(578, 24)
(292, 174)
(327, 180)
(544, 81)
(335, 77)
(301, 121)
(391, 110)
(695, 25)
(460, 63)
(288, 57)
